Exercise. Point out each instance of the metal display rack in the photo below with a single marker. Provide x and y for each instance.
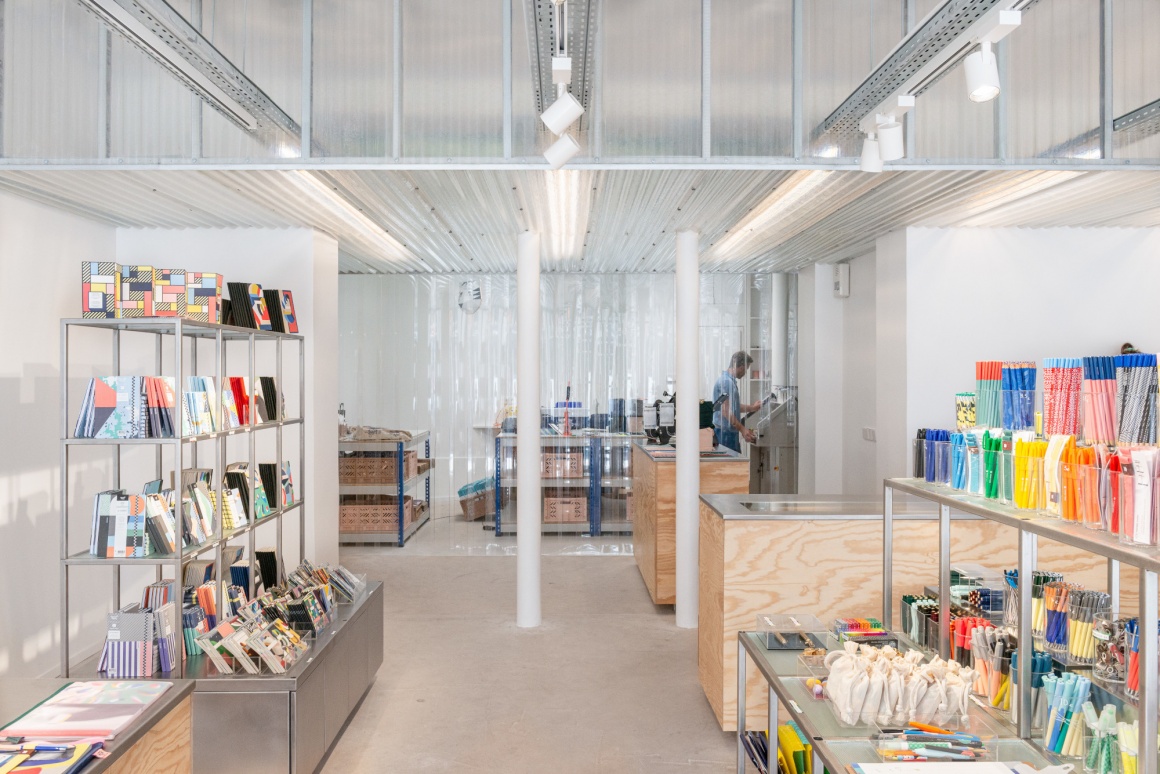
(1032, 526)
(181, 331)
(613, 455)
(399, 490)
(505, 482)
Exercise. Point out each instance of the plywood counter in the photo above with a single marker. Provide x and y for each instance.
(654, 487)
(823, 555)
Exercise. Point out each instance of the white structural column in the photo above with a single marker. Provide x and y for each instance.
(779, 329)
(528, 430)
(688, 424)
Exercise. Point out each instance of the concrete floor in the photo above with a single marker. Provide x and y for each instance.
(607, 684)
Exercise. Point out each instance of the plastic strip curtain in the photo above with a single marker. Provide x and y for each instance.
(420, 352)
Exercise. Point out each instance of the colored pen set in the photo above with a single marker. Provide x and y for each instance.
(1018, 393)
(1055, 602)
(1099, 400)
(1066, 695)
(921, 742)
(1136, 398)
(1041, 666)
(988, 393)
(1084, 607)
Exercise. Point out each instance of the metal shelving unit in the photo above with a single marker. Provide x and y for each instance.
(181, 330)
(399, 490)
(505, 482)
(1032, 526)
(612, 453)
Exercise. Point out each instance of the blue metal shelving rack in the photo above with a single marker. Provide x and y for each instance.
(399, 489)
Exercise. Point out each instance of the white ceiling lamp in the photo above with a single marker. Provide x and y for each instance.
(871, 160)
(884, 125)
(982, 71)
(561, 151)
(891, 143)
(562, 113)
(566, 110)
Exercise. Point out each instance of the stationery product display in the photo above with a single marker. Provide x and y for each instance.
(289, 316)
(100, 289)
(1062, 386)
(1063, 732)
(881, 685)
(1136, 398)
(796, 631)
(1112, 648)
(136, 298)
(918, 742)
(248, 304)
(203, 297)
(1084, 608)
(988, 388)
(1139, 502)
(96, 709)
(169, 292)
(1018, 395)
(109, 290)
(1098, 401)
(965, 411)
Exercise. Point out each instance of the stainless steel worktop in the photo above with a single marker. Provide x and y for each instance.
(668, 453)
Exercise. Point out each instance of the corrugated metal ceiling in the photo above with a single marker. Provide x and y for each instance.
(598, 221)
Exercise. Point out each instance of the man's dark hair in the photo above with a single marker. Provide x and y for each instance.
(740, 359)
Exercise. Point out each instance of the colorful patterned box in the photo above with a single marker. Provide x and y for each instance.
(100, 289)
(203, 297)
(169, 293)
(136, 292)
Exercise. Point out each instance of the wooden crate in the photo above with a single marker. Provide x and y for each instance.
(361, 470)
(566, 506)
(478, 505)
(373, 513)
(562, 464)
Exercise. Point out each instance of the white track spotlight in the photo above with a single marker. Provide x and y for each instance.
(562, 113)
(890, 144)
(561, 151)
(871, 159)
(982, 74)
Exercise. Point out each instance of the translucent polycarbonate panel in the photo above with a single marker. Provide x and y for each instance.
(419, 352)
(528, 136)
(353, 78)
(844, 40)
(752, 78)
(1053, 87)
(1136, 28)
(924, 7)
(651, 78)
(949, 126)
(51, 83)
(453, 78)
(263, 38)
(150, 111)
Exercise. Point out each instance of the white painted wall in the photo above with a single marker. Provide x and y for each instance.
(893, 445)
(41, 250)
(1062, 292)
(820, 383)
(859, 409)
(305, 262)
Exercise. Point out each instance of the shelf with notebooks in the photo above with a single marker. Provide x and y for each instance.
(210, 478)
(384, 484)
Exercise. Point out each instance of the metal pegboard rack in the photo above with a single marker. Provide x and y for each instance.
(1032, 526)
(399, 490)
(184, 449)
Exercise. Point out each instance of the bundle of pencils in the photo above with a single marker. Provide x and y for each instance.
(965, 411)
(1099, 399)
(1074, 463)
(1029, 480)
(1128, 737)
(938, 456)
(1103, 753)
(1056, 596)
(1136, 398)
(1062, 385)
(992, 449)
(959, 476)
(1039, 581)
(1132, 673)
(1083, 608)
(988, 382)
(1041, 667)
(1018, 386)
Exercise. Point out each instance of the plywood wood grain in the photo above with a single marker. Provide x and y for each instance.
(165, 749)
(655, 529)
(833, 569)
(711, 605)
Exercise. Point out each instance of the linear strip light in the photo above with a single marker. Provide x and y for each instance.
(322, 194)
(166, 37)
(780, 202)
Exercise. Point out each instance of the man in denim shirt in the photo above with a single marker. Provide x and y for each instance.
(727, 417)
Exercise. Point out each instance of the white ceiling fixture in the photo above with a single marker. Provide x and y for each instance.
(982, 72)
(871, 160)
(886, 126)
(566, 110)
(165, 36)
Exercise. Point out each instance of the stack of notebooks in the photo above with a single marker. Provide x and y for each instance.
(275, 480)
(238, 478)
(269, 310)
(140, 641)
